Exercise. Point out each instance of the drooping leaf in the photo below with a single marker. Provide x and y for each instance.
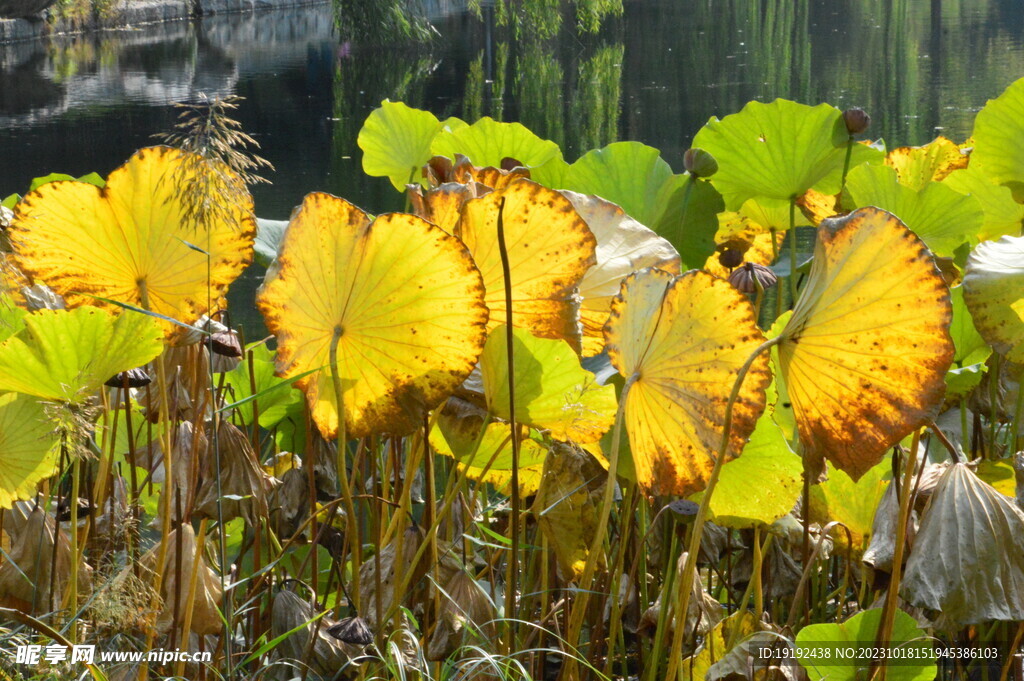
(396, 139)
(681, 341)
(553, 392)
(67, 355)
(994, 293)
(779, 151)
(868, 345)
(129, 242)
(715, 646)
(917, 166)
(402, 298)
(269, 234)
(28, 447)
(762, 485)
(998, 137)
(822, 648)
(1003, 215)
(623, 247)
(942, 217)
(567, 505)
(550, 248)
(968, 556)
(488, 142)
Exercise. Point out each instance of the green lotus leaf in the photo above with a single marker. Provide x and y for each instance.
(994, 293)
(10, 200)
(779, 151)
(487, 142)
(999, 137)
(91, 178)
(66, 355)
(970, 347)
(851, 503)
(553, 392)
(941, 216)
(269, 234)
(12, 317)
(396, 140)
(28, 447)
(821, 648)
(760, 486)
(1003, 215)
(961, 381)
(275, 396)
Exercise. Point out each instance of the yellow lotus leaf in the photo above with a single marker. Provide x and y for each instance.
(402, 299)
(917, 166)
(130, 241)
(443, 205)
(749, 231)
(28, 447)
(623, 247)
(496, 178)
(817, 206)
(866, 351)
(550, 248)
(682, 340)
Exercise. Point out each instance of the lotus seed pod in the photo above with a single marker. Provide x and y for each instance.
(856, 120)
(747, 278)
(700, 163)
(730, 257)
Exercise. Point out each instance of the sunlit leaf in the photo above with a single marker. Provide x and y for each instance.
(681, 341)
(550, 248)
(483, 446)
(851, 503)
(999, 136)
(970, 347)
(917, 166)
(442, 205)
(1000, 475)
(994, 293)
(395, 140)
(968, 556)
(487, 142)
(91, 178)
(762, 485)
(1003, 215)
(402, 298)
(942, 217)
(623, 247)
(866, 350)
(553, 392)
(28, 447)
(821, 648)
(12, 317)
(67, 355)
(779, 151)
(129, 242)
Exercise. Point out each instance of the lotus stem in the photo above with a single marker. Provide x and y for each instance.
(792, 252)
(352, 526)
(190, 603)
(846, 162)
(682, 600)
(666, 591)
(892, 593)
(73, 577)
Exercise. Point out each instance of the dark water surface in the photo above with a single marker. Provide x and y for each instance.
(656, 74)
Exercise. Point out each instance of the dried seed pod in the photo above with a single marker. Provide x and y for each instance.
(856, 120)
(730, 258)
(225, 343)
(700, 163)
(747, 278)
(352, 630)
(135, 378)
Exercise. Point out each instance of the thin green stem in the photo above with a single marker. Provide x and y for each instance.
(846, 162)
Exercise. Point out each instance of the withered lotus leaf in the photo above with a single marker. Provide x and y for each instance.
(683, 341)
(968, 556)
(130, 241)
(866, 351)
(917, 166)
(206, 618)
(402, 300)
(994, 293)
(550, 248)
(623, 247)
(28, 447)
(442, 205)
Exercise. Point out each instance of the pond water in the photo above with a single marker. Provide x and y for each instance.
(656, 74)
